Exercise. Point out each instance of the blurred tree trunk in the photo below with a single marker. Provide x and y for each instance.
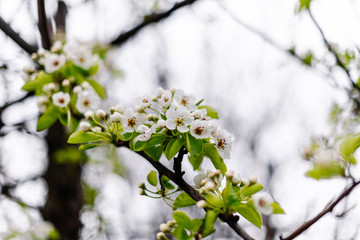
(65, 195)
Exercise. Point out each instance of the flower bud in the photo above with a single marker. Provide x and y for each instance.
(97, 129)
(236, 179)
(203, 182)
(161, 123)
(201, 204)
(142, 185)
(164, 228)
(65, 83)
(89, 114)
(253, 179)
(116, 117)
(229, 174)
(159, 92)
(85, 126)
(171, 223)
(143, 192)
(209, 186)
(139, 109)
(85, 85)
(173, 90)
(77, 89)
(161, 236)
(245, 182)
(101, 114)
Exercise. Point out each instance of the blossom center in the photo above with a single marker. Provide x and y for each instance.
(86, 102)
(131, 122)
(199, 130)
(81, 59)
(61, 100)
(262, 202)
(184, 101)
(56, 63)
(179, 121)
(221, 143)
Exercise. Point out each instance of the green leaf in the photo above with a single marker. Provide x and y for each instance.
(173, 147)
(166, 182)
(249, 212)
(85, 137)
(63, 117)
(154, 152)
(250, 189)
(155, 140)
(182, 219)
(37, 84)
(88, 146)
(139, 146)
(196, 224)
(277, 209)
(180, 233)
(196, 162)
(212, 153)
(184, 200)
(152, 179)
(325, 171)
(304, 4)
(210, 218)
(211, 112)
(98, 88)
(193, 145)
(47, 119)
(348, 146)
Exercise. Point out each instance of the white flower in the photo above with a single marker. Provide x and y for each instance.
(83, 58)
(199, 114)
(131, 120)
(161, 123)
(179, 118)
(70, 49)
(324, 157)
(236, 179)
(200, 129)
(145, 133)
(165, 99)
(115, 117)
(119, 108)
(61, 99)
(87, 100)
(85, 126)
(223, 142)
(263, 202)
(54, 62)
(144, 101)
(187, 101)
(198, 178)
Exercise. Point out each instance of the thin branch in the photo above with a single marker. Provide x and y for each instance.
(327, 210)
(43, 26)
(230, 219)
(150, 19)
(16, 37)
(177, 162)
(330, 49)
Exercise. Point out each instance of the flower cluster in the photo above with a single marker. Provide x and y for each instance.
(171, 118)
(64, 81)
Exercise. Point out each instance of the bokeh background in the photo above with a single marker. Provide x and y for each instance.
(234, 54)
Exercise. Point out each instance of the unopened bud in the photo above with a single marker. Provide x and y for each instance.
(229, 174)
(85, 126)
(65, 83)
(142, 185)
(86, 85)
(201, 204)
(77, 89)
(236, 179)
(159, 92)
(101, 114)
(116, 117)
(171, 223)
(164, 228)
(173, 90)
(89, 114)
(119, 108)
(245, 182)
(209, 186)
(143, 192)
(203, 182)
(139, 109)
(253, 179)
(161, 236)
(161, 123)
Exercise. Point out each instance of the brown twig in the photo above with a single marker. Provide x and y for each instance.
(16, 37)
(327, 210)
(152, 18)
(43, 26)
(230, 219)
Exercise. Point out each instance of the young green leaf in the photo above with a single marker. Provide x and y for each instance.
(173, 147)
(324, 171)
(211, 112)
(277, 209)
(37, 84)
(184, 200)
(63, 117)
(193, 145)
(47, 119)
(182, 219)
(180, 233)
(210, 218)
(98, 88)
(85, 137)
(155, 140)
(250, 189)
(89, 146)
(152, 179)
(249, 212)
(196, 162)
(348, 146)
(139, 146)
(154, 152)
(166, 182)
(212, 153)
